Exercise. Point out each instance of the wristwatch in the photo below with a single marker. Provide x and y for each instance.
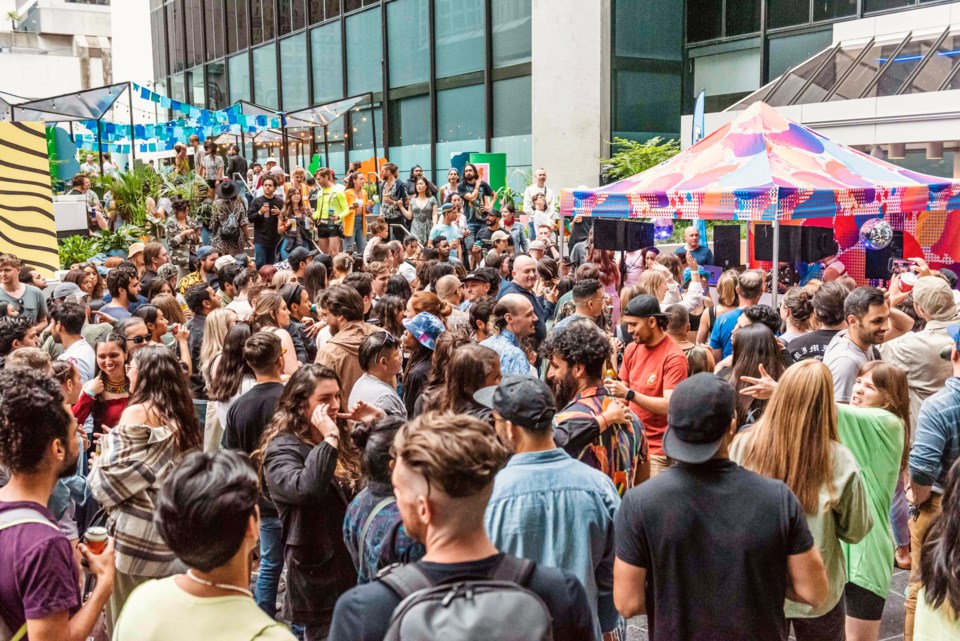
(630, 395)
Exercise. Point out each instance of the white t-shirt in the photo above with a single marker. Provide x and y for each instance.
(83, 358)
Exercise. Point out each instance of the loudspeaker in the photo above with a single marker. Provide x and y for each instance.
(816, 243)
(622, 235)
(878, 260)
(726, 246)
(790, 236)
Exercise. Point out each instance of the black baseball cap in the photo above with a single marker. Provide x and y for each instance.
(477, 275)
(644, 306)
(523, 400)
(698, 417)
(300, 254)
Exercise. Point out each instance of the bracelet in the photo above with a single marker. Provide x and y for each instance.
(89, 393)
(630, 395)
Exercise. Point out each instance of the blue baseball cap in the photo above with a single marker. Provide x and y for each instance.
(426, 328)
(204, 251)
(947, 350)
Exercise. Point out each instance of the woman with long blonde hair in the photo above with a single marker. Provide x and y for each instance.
(215, 329)
(796, 441)
(727, 301)
(271, 314)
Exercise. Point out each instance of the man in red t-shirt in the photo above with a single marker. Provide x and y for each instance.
(652, 366)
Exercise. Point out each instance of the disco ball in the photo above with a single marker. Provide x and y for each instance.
(663, 229)
(876, 233)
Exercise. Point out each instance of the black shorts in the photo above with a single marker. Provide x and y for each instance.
(862, 603)
(325, 230)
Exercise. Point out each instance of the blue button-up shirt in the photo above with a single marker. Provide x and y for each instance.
(936, 443)
(513, 362)
(553, 509)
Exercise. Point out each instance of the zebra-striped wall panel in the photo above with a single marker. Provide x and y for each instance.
(27, 226)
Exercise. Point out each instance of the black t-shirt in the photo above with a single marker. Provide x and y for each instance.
(811, 345)
(714, 539)
(264, 227)
(473, 210)
(247, 419)
(363, 613)
(486, 234)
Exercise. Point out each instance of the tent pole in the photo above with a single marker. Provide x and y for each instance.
(99, 147)
(776, 262)
(133, 139)
(373, 127)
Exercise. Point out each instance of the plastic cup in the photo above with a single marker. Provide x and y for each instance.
(907, 281)
(95, 539)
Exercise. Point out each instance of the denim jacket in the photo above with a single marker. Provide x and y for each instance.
(556, 511)
(936, 442)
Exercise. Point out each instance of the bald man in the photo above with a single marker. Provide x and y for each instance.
(514, 320)
(450, 289)
(524, 278)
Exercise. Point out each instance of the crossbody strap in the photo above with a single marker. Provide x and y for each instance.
(366, 526)
(23, 516)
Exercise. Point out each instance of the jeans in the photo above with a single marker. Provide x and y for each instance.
(919, 525)
(201, 407)
(271, 565)
(264, 255)
(357, 242)
(473, 226)
(205, 235)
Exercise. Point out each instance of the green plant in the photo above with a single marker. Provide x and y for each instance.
(631, 157)
(75, 249)
(107, 241)
(56, 183)
(506, 195)
(130, 190)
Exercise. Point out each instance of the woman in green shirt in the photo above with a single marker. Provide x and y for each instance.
(796, 441)
(876, 429)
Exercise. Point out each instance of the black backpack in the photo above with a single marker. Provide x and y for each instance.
(230, 230)
(468, 607)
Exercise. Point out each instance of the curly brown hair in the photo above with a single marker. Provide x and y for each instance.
(32, 416)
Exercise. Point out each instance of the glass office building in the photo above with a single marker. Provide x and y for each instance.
(444, 75)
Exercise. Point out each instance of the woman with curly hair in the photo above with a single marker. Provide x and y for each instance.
(311, 470)
(158, 427)
(430, 303)
(609, 276)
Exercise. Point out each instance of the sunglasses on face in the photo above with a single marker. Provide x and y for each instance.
(137, 340)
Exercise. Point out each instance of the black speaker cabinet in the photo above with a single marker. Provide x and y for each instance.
(816, 243)
(790, 236)
(726, 246)
(878, 260)
(622, 235)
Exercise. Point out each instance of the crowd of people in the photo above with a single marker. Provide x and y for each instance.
(457, 428)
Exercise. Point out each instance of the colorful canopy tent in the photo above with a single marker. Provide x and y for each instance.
(763, 167)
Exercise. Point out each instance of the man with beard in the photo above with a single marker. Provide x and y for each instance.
(566, 493)
(870, 321)
(343, 310)
(206, 269)
(68, 319)
(478, 198)
(263, 214)
(124, 287)
(593, 427)
(652, 366)
(38, 588)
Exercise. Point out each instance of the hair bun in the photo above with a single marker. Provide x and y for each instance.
(360, 434)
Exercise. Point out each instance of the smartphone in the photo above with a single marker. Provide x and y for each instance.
(899, 265)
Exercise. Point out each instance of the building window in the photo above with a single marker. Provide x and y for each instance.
(177, 91)
(705, 19)
(175, 31)
(787, 13)
(791, 50)
(262, 21)
(725, 77)
(408, 41)
(291, 16)
(661, 37)
(321, 10)
(512, 110)
(458, 33)
(335, 143)
(237, 19)
(239, 69)
(830, 9)
(461, 123)
(216, 39)
(647, 105)
(293, 64)
(883, 5)
(194, 33)
(742, 16)
(217, 86)
(361, 133)
(327, 64)
(410, 132)
(364, 51)
(159, 40)
(197, 86)
(511, 32)
(265, 76)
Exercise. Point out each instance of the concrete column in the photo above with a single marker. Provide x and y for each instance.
(571, 89)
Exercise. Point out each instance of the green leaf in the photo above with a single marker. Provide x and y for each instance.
(631, 157)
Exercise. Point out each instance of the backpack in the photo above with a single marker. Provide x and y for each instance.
(468, 607)
(8, 519)
(230, 230)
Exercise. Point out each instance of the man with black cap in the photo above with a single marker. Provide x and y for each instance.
(545, 506)
(299, 258)
(652, 367)
(712, 548)
(479, 283)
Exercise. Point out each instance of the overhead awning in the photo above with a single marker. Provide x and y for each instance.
(891, 65)
(323, 115)
(87, 104)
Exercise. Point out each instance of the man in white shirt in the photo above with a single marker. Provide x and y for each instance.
(90, 167)
(68, 319)
(539, 186)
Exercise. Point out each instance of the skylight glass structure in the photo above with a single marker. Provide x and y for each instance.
(888, 66)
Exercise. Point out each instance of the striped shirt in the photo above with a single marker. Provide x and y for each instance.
(125, 480)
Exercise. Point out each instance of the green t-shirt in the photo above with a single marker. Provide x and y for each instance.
(875, 437)
(159, 610)
(331, 201)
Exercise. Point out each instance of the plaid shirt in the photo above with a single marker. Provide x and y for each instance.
(125, 480)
